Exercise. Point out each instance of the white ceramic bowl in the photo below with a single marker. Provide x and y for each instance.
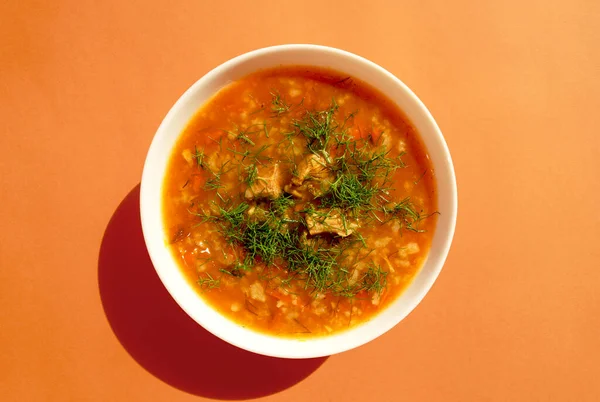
(181, 113)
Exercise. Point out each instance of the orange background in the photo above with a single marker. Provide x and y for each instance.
(515, 87)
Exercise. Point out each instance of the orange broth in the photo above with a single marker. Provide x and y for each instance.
(299, 202)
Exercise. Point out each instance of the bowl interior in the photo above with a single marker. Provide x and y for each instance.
(177, 119)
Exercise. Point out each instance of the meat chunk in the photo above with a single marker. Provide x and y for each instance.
(313, 166)
(313, 177)
(257, 214)
(385, 141)
(330, 221)
(410, 249)
(267, 183)
(215, 161)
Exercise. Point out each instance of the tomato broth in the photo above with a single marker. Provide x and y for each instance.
(299, 201)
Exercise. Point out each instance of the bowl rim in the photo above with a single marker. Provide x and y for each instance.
(335, 347)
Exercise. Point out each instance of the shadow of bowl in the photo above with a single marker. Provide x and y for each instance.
(163, 339)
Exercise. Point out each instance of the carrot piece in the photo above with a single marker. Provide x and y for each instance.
(279, 294)
(357, 129)
(188, 258)
(375, 135)
(362, 295)
(356, 132)
(382, 297)
(197, 182)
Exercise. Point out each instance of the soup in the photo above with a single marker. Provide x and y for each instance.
(299, 202)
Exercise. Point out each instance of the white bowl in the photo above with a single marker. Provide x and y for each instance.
(177, 119)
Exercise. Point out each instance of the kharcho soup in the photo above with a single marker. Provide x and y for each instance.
(299, 201)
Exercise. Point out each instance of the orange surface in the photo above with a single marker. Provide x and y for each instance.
(514, 85)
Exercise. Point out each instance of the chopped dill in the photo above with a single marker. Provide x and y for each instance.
(420, 177)
(243, 134)
(278, 105)
(251, 174)
(234, 271)
(206, 281)
(282, 204)
(199, 157)
(348, 192)
(319, 128)
(274, 233)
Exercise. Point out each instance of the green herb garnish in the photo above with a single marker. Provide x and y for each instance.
(274, 234)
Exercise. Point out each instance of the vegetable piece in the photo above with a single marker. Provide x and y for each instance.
(313, 177)
(266, 184)
(330, 221)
